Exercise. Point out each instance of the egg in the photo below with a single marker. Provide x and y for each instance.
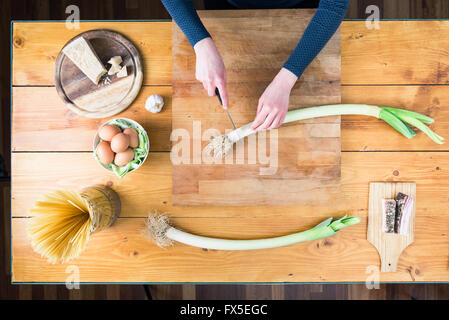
(122, 158)
(133, 137)
(120, 142)
(108, 131)
(104, 152)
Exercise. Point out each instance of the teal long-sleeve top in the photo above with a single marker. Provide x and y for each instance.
(323, 25)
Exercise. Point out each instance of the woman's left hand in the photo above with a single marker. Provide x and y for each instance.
(273, 104)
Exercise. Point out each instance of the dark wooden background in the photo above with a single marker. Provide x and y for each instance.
(153, 9)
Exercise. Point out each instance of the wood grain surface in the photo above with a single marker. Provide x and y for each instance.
(254, 46)
(399, 52)
(360, 133)
(389, 245)
(112, 94)
(153, 182)
(35, 47)
(42, 123)
(126, 256)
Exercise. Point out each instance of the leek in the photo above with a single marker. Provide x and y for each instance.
(397, 118)
(159, 230)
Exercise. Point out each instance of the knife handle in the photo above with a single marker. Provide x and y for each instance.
(218, 96)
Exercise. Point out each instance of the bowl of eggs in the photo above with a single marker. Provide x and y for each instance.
(121, 146)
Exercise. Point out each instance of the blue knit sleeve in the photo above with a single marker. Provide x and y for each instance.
(185, 16)
(321, 28)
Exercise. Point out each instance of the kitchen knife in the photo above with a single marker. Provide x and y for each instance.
(221, 102)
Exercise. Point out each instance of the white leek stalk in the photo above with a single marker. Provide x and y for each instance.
(221, 145)
(159, 230)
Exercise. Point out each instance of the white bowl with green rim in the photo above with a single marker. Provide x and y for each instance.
(141, 154)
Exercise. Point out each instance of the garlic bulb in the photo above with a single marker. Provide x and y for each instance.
(154, 103)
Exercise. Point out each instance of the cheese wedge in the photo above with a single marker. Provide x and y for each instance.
(123, 72)
(114, 69)
(115, 61)
(84, 57)
(115, 65)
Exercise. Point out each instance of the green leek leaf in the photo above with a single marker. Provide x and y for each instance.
(401, 112)
(344, 222)
(418, 124)
(396, 123)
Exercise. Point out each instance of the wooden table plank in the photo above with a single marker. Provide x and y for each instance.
(367, 133)
(400, 52)
(37, 173)
(41, 122)
(36, 46)
(152, 182)
(407, 52)
(120, 254)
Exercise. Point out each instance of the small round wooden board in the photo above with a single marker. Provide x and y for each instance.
(112, 95)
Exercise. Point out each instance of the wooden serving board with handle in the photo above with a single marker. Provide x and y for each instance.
(254, 45)
(112, 94)
(389, 245)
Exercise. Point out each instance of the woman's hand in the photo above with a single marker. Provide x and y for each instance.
(273, 104)
(210, 69)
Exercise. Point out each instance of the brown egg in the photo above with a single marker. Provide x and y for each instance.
(104, 152)
(120, 142)
(133, 137)
(107, 132)
(122, 158)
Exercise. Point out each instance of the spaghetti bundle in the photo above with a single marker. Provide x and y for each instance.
(61, 226)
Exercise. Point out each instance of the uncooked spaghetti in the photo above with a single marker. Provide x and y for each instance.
(60, 226)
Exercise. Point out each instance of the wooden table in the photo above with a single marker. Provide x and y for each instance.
(404, 64)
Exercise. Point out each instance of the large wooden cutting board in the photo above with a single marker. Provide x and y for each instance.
(254, 46)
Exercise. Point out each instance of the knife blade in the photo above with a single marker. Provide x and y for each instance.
(221, 102)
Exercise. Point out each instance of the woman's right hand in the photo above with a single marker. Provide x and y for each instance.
(210, 69)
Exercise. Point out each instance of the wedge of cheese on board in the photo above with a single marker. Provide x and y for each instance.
(84, 57)
(123, 72)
